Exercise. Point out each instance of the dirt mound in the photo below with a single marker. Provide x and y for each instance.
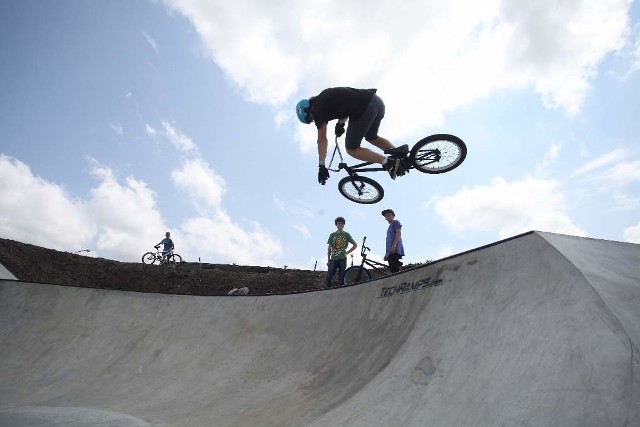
(36, 264)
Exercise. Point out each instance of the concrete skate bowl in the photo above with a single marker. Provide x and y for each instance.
(537, 330)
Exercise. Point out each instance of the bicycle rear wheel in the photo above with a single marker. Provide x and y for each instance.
(361, 189)
(149, 258)
(438, 153)
(355, 274)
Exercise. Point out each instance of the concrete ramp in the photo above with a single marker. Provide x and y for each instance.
(538, 330)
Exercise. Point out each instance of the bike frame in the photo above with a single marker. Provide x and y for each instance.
(433, 154)
(360, 271)
(378, 266)
(364, 166)
(160, 256)
(351, 170)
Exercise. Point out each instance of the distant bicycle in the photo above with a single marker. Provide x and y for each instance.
(357, 273)
(434, 154)
(171, 259)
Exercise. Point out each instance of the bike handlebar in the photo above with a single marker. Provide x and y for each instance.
(364, 247)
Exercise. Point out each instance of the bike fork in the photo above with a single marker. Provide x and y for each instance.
(360, 187)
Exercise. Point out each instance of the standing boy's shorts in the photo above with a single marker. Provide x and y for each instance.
(367, 125)
(394, 262)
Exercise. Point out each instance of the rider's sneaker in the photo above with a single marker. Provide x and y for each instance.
(400, 151)
(392, 166)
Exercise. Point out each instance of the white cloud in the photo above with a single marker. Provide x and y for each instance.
(614, 156)
(219, 240)
(621, 174)
(557, 46)
(636, 50)
(127, 217)
(508, 208)
(120, 219)
(203, 185)
(212, 235)
(182, 142)
(549, 158)
(39, 212)
(282, 116)
(280, 204)
(616, 175)
(306, 137)
(425, 57)
(303, 230)
(632, 234)
(149, 130)
(117, 220)
(117, 128)
(295, 208)
(151, 42)
(625, 202)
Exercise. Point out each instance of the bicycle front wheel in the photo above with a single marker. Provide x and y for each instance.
(361, 189)
(438, 153)
(174, 260)
(355, 274)
(149, 258)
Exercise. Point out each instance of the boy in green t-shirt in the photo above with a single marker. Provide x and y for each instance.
(337, 252)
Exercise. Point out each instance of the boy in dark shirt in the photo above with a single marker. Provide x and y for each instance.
(364, 110)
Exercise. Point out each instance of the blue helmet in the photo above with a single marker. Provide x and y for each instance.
(302, 110)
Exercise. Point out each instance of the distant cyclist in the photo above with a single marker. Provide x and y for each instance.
(364, 110)
(167, 244)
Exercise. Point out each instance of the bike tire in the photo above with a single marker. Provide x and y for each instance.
(361, 189)
(175, 260)
(355, 274)
(149, 258)
(438, 153)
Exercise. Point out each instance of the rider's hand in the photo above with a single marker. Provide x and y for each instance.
(157, 246)
(323, 174)
(339, 129)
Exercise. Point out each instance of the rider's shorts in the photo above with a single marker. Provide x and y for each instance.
(366, 126)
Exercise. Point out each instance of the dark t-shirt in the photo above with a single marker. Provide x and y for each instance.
(339, 103)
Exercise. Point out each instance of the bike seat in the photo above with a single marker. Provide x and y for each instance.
(400, 151)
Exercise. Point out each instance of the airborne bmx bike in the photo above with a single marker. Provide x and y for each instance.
(358, 273)
(434, 154)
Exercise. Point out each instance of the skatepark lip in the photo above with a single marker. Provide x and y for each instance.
(538, 329)
(34, 264)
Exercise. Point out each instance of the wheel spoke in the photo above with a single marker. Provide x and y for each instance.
(438, 153)
(438, 158)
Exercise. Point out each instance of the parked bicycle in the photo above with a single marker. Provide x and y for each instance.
(358, 273)
(433, 155)
(171, 258)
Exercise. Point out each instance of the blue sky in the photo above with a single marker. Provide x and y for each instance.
(121, 120)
